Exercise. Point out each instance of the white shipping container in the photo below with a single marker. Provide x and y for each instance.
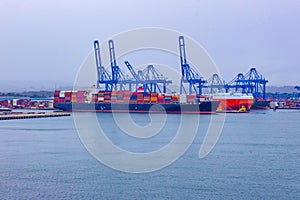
(202, 99)
(62, 94)
(15, 102)
(182, 98)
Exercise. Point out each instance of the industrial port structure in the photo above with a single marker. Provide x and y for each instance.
(153, 81)
(252, 82)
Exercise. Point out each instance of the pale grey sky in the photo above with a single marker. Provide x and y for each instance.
(49, 39)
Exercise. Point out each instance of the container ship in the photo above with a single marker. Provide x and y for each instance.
(233, 101)
(133, 102)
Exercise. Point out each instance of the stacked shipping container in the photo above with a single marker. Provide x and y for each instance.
(74, 96)
(81, 96)
(68, 96)
(118, 96)
(191, 99)
(161, 98)
(153, 97)
(107, 96)
(127, 95)
(101, 96)
(56, 95)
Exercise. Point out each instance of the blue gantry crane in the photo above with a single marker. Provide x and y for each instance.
(187, 74)
(150, 78)
(104, 78)
(154, 80)
(138, 77)
(256, 83)
(119, 78)
(216, 84)
(238, 83)
(252, 82)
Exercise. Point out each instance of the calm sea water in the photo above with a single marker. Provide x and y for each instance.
(256, 157)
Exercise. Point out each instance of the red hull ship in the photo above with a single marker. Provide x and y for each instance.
(233, 101)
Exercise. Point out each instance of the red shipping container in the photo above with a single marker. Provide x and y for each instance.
(56, 93)
(80, 93)
(67, 94)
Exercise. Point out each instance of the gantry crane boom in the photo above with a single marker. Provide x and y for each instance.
(103, 76)
(187, 74)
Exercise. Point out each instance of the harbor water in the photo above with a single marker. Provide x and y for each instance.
(257, 157)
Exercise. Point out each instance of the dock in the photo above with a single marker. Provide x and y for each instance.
(33, 115)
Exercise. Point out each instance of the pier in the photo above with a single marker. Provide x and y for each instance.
(32, 115)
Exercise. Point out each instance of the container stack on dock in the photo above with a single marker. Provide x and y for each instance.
(5, 103)
(28, 103)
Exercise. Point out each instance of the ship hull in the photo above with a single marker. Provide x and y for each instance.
(234, 102)
(261, 105)
(205, 107)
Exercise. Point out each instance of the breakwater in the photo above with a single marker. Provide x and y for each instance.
(11, 116)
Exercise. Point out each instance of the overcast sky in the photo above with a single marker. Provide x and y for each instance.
(49, 39)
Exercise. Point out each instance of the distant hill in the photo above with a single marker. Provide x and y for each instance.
(31, 94)
(23, 86)
(281, 89)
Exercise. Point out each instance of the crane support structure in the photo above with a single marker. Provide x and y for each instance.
(216, 84)
(187, 74)
(132, 71)
(238, 83)
(150, 78)
(252, 82)
(138, 77)
(113, 63)
(256, 83)
(104, 78)
(119, 79)
(154, 79)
